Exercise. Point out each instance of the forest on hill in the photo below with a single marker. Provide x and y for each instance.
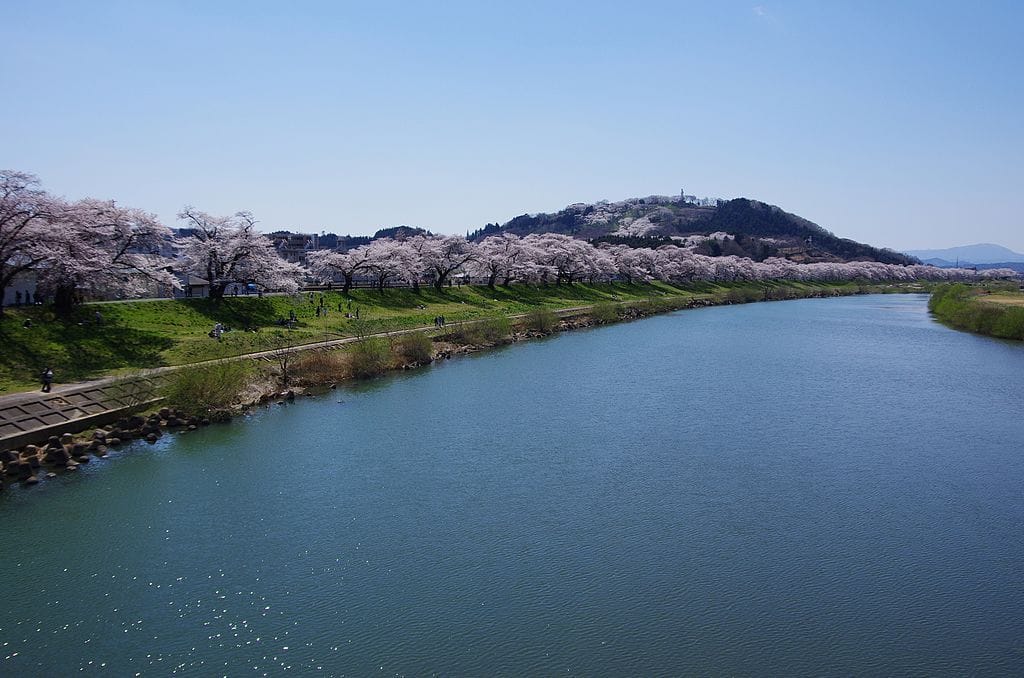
(755, 230)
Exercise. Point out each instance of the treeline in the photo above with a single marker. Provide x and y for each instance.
(551, 258)
(101, 249)
(967, 308)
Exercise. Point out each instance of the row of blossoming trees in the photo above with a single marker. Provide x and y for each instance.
(553, 258)
(95, 247)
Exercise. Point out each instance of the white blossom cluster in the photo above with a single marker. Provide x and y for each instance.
(554, 258)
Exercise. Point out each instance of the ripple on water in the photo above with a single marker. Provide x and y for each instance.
(766, 489)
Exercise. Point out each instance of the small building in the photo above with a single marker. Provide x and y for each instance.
(193, 286)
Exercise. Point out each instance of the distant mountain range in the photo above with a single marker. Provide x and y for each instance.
(755, 229)
(981, 254)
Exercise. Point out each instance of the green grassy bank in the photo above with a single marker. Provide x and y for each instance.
(996, 310)
(147, 334)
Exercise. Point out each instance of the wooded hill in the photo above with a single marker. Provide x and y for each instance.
(758, 230)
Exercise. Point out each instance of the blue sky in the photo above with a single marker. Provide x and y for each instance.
(897, 124)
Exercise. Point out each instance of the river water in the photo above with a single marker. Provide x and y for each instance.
(808, 487)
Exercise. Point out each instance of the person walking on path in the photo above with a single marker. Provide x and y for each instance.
(47, 378)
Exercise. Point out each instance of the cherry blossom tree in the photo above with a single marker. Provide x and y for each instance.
(226, 250)
(104, 248)
(502, 257)
(561, 256)
(443, 255)
(631, 263)
(389, 260)
(325, 264)
(28, 226)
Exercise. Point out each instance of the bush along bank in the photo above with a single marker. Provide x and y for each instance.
(199, 395)
(980, 309)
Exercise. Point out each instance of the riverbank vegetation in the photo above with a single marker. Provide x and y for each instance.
(996, 309)
(107, 338)
(211, 387)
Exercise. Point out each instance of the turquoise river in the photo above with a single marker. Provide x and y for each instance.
(815, 487)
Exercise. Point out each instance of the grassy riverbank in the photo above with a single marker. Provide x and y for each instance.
(995, 310)
(148, 334)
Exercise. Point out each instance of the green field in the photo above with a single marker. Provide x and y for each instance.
(995, 309)
(146, 334)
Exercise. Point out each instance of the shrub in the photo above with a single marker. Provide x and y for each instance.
(540, 320)
(780, 292)
(369, 357)
(415, 347)
(605, 313)
(736, 295)
(486, 331)
(655, 305)
(643, 307)
(319, 367)
(202, 389)
(1011, 324)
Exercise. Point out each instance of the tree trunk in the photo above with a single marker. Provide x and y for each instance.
(64, 299)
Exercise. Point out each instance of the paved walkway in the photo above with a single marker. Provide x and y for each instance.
(32, 416)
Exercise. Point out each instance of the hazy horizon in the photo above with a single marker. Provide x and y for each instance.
(895, 126)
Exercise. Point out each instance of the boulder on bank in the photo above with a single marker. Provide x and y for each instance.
(57, 456)
(31, 456)
(19, 469)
